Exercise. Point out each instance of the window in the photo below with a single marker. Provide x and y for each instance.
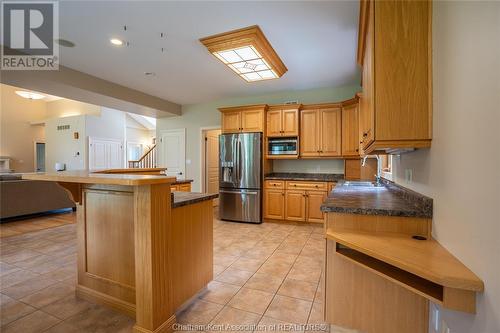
(386, 165)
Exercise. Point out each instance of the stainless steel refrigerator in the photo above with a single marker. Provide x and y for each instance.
(240, 179)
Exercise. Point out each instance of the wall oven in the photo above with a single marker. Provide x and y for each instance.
(282, 146)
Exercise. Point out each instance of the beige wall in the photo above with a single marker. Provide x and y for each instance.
(461, 170)
(70, 108)
(62, 147)
(17, 135)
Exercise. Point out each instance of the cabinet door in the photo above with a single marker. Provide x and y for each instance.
(367, 105)
(350, 131)
(274, 204)
(252, 121)
(309, 133)
(185, 187)
(274, 123)
(174, 188)
(290, 122)
(231, 122)
(295, 205)
(314, 200)
(331, 132)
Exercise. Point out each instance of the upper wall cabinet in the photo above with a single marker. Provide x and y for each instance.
(320, 130)
(243, 118)
(283, 120)
(394, 49)
(350, 131)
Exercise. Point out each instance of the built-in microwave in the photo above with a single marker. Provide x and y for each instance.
(282, 146)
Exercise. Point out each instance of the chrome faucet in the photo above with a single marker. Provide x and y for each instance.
(379, 167)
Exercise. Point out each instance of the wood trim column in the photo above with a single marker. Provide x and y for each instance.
(153, 276)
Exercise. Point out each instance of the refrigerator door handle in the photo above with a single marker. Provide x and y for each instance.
(240, 192)
(240, 164)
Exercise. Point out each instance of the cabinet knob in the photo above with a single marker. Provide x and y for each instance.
(365, 134)
(357, 150)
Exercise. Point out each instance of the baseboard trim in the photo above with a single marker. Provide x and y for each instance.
(166, 327)
(103, 299)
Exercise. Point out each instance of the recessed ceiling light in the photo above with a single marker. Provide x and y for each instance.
(64, 42)
(29, 94)
(247, 52)
(116, 41)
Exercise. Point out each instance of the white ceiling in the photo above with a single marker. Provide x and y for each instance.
(315, 39)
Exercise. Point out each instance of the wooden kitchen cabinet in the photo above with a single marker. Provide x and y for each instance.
(295, 205)
(274, 204)
(181, 187)
(330, 132)
(296, 201)
(309, 138)
(283, 120)
(350, 130)
(231, 122)
(320, 130)
(394, 50)
(243, 119)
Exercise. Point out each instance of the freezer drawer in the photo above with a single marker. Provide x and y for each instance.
(240, 205)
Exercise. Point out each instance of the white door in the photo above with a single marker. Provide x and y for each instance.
(105, 154)
(173, 152)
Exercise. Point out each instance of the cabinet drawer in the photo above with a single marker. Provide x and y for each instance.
(278, 184)
(311, 186)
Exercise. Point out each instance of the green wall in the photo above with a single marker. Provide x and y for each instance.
(197, 116)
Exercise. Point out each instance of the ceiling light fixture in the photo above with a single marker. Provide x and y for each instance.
(29, 94)
(247, 52)
(116, 41)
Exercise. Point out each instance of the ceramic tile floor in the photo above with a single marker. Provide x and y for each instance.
(265, 278)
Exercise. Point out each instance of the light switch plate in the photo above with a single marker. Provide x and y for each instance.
(408, 175)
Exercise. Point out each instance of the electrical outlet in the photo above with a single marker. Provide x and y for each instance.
(408, 175)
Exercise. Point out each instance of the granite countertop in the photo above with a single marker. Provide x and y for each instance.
(188, 198)
(182, 181)
(389, 199)
(321, 177)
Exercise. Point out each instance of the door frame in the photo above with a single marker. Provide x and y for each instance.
(203, 155)
(35, 154)
(159, 143)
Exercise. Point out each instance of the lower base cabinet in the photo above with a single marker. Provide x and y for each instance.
(274, 201)
(181, 187)
(294, 201)
(295, 205)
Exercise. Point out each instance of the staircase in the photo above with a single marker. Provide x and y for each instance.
(147, 160)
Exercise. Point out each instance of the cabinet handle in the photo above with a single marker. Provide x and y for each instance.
(365, 134)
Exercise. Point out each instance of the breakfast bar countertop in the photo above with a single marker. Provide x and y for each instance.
(188, 198)
(88, 177)
(388, 199)
(320, 177)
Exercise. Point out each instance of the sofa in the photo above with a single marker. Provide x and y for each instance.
(20, 197)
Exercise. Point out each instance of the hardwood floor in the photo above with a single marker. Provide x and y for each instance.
(19, 227)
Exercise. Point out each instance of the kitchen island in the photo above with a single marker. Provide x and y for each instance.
(141, 249)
